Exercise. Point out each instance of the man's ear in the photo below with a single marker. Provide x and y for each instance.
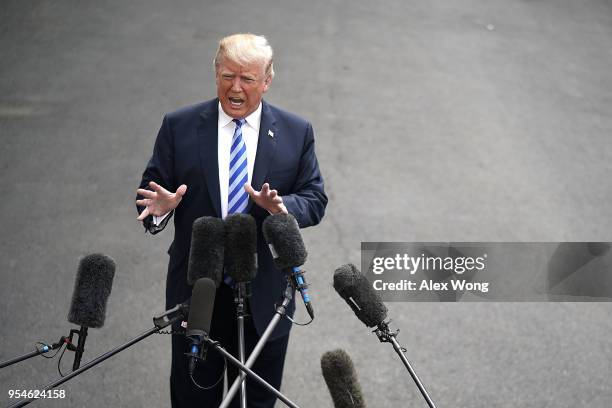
(267, 83)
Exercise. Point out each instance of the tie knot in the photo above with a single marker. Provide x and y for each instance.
(239, 123)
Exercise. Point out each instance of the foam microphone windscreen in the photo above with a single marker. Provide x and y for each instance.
(207, 248)
(598, 248)
(282, 233)
(341, 379)
(358, 293)
(92, 287)
(201, 307)
(240, 247)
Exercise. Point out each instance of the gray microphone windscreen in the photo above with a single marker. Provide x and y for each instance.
(358, 293)
(341, 379)
(201, 307)
(207, 248)
(240, 247)
(92, 287)
(598, 248)
(282, 233)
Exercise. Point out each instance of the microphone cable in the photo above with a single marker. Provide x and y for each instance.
(286, 316)
(183, 332)
(216, 383)
(65, 342)
(59, 362)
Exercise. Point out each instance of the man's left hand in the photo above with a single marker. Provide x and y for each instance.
(267, 199)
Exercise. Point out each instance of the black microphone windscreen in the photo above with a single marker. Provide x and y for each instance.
(598, 248)
(358, 293)
(341, 379)
(240, 247)
(201, 307)
(282, 233)
(92, 287)
(206, 253)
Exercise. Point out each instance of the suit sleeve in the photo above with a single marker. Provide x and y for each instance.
(308, 201)
(160, 170)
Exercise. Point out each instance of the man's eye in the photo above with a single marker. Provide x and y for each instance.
(248, 80)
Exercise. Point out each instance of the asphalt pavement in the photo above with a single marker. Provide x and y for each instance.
(468, 120)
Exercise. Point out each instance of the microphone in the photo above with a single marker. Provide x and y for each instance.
(358, 293)
(356, 290)
(282, 234)
(241, 247)
(241, 268)
(206, 253)
(598, 248)
(200, 317)
(341, 379)
(92, 287)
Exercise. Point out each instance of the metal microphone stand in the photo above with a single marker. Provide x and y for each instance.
(249, 372)
(385, 335)
(241, 293)
(178, 313)
(281, 311)
(44, 348)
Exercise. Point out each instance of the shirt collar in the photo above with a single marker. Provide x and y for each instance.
(253, 120)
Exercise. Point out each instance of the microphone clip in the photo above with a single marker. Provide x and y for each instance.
(63, 340)
(384, 333)
(70, 344)
(79, 348)
(242, 291)
(165, 319)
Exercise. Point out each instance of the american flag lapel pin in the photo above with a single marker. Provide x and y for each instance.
(270, 133)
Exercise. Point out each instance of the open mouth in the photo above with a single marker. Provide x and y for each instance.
(236, 102)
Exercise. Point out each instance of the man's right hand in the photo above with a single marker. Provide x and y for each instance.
(159, 201)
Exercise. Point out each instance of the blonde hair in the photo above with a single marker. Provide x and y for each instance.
(246, 49)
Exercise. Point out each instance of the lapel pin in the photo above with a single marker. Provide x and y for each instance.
(270, 133)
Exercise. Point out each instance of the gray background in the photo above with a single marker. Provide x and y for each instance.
(468, 120)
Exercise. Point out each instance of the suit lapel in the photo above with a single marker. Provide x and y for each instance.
(266, 147)
(209, 160)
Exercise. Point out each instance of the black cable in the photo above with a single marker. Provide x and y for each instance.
(216, 383)
(298, 324)
(59, 370)
(285, 315)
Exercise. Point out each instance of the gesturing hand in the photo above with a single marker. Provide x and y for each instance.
(159, 201)
(266, 198)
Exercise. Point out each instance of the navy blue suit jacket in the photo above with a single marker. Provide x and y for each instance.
(185, 152)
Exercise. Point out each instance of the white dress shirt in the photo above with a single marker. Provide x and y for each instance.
(225, 133)
(250, 135)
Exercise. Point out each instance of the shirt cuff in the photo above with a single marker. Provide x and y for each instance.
(158, 220)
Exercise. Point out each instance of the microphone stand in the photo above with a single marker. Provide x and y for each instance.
(249, 372)
(178, 313)
(45, 348)
(241, 292)
(281, 311)
(385, 335)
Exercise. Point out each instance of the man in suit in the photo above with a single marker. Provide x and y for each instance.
(235, 153)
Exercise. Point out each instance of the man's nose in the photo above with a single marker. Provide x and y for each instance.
(236, 85)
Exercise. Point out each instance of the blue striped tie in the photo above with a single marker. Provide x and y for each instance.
(237, 198)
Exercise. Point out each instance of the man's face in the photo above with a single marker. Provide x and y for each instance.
(240, 88)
